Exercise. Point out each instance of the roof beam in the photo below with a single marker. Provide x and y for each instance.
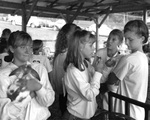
(52, 3)
(77, 2)
(32, 9)
(78, 10)
(129, 9)
(24, 20)
(38, 8)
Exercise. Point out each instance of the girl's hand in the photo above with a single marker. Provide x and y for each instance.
(99, 64)
(110, 62)
(32, 94)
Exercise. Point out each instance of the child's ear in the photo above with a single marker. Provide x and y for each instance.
(11, 49)
(143, 39)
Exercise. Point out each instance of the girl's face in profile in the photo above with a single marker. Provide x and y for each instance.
(113, 42)
(133, 41)
(22, 53)
(88, 50)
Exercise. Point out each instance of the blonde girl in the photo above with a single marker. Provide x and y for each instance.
(82, 83)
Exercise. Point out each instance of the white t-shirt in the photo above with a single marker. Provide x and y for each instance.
(35, 108)
(42, 59)
(82, 89)
(132, 70)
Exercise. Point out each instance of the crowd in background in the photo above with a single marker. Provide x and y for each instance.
(75, 85)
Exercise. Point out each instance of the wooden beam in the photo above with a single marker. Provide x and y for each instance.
(77, 2)
(106, 15)
(52, 4)
(145, 15)
(97, 34)
(75, 15)
(6, 11)
(130, 9)
(24, 22)
(63, 17)
(32, 9)
(125, 6)
(11, 5)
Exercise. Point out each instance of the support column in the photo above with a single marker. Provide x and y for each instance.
(145, 15)
(97, 33)
(24, 20)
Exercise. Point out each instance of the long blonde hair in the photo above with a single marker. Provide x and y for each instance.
(74, 54)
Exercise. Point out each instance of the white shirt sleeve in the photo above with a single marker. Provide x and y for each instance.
(45, 96)
(122, 68)
(47, 64)
(79, 82)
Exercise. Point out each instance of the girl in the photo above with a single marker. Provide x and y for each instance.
(110, 56)
(132, 70)
(38, 56)
(35, 105)
(57, 73)
(6, 33)
(81, 82)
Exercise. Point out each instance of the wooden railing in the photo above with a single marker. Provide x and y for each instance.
(127, 101)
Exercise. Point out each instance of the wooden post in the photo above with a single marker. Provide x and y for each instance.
(24, 22)
(97, 34)
(145, 15)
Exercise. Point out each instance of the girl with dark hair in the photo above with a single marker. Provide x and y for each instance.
(6, 33)
(34, 106)
(81, 80)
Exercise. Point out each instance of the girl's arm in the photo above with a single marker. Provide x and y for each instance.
(78, 83)
(118, 74)
(47, 64)
(45, 95)
(112, 79)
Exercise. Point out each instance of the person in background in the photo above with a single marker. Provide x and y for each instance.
(131, 72)
(81, 82)
(61, 48)
(110, 56)
(3, 53)
(6, 33)
(38, 57)
(35, 105)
